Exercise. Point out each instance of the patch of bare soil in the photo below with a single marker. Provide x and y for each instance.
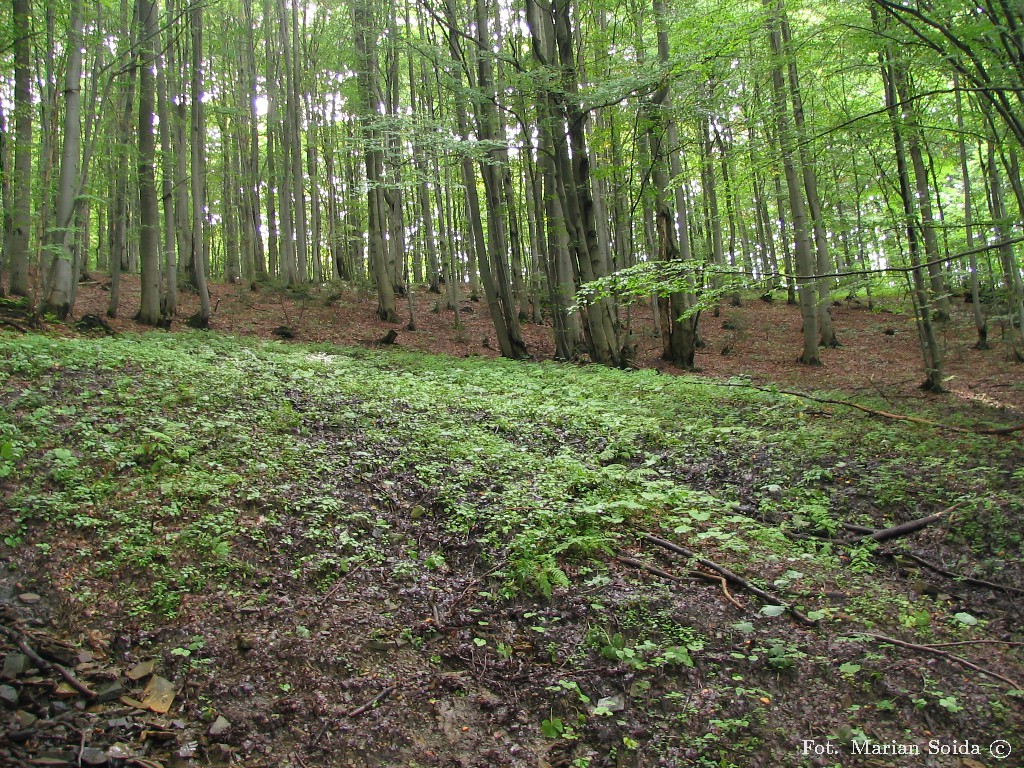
(879, 354)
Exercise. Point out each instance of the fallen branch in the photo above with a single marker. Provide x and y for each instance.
(735, 579)
(14, 325)
(904, 529)
(373, 702)
(1011, 643)
(857, 528)
(640, 565)
(19, 640)
(957, 577)
(942, 654)
(997, 431)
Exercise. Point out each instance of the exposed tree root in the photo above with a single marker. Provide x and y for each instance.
(957, 577)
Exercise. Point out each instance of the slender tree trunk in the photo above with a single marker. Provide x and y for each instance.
(169, 286)
(965, 174)
(678, 315)
(198, 160)
(823, 263)
(149, 211)
(16, 249)
(63, 272)
(369, 96)
(929, 342)
(1013, 289)
(805, 263)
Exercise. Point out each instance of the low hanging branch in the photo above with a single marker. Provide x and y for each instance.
(941, 654)
(729, 576)
(882, 414)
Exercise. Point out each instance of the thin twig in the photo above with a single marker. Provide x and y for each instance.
(373, 702)
(957, 577)
(976, 642)
(883, 414)
(729, 575)
(640, 565)
(943, 654)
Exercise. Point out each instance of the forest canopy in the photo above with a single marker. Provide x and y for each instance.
(516, 152)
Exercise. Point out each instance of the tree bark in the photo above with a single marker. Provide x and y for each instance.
(16, 249)
(149, 212)
(63, 272)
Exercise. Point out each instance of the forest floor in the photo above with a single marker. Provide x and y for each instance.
(879, 354)
(302, 554)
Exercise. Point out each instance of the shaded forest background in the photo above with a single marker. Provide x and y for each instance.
(557, 161)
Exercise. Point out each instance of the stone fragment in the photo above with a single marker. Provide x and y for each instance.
(220, 726)
(93, 756)
(109, 692)
(14, 664)
(158, 695)
(141, 670)
(9, 696)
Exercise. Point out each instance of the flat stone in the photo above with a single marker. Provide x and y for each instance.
(109, 692)
(141, 670)
(93, 756)
(120, 751)
(25, 719)
(159, 695)
(29, 598)
(14, 664)
(53, 757)
(220, 726)
(9, 696)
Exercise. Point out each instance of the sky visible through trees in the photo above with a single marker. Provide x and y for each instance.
(672, 154)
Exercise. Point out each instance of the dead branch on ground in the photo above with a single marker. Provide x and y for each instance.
(942, 654)
(729, 576)
(995, 431)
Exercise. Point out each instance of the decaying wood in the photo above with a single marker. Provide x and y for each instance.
(942, 654)
(729, 576)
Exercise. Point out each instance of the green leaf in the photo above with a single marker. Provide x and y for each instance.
(552, 727)
(773, 610)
